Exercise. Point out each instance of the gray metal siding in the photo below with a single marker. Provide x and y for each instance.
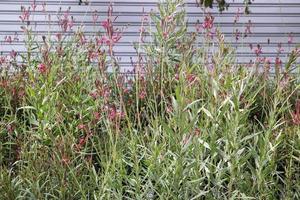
(272, 21)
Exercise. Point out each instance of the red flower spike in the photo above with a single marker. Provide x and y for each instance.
(42, 68)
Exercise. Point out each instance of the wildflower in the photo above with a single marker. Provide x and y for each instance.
(96, 115)
(16, 38)
(258, 50)
(13, 54)
(126, 90)
(81, 126)
(250, 63)
(145, 18)
(106, 92)
(278, 61)
(58, 36)
(198, 28)
(296, 114)
(59, 50)
(290, 39)
(112, 113)
(99, 41)
(284, 82)
(103, 40)
(82, 38)
(169, 18)
(210, 34)
(208, 25)
(105, 24)
(165, 35)
(82, 141)
(259, 60)
(71, 23)
(267, 66)
(116, 38)
(191, 78)
(33, 5)
(66, 22)
(143, 94)
(115, 114)
(42, 68)
(92, 55)
(24, 29)
(2, 60)
(25, 14)
(8, 39)
(94, 95)
(208, 22)
(279, 49)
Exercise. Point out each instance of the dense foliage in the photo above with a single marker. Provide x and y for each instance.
(187, 123)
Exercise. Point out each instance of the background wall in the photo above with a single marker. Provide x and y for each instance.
(273, 22)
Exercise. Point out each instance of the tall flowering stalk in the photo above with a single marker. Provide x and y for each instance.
(296, 114)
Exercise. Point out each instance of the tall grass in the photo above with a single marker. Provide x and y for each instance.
(190, 123)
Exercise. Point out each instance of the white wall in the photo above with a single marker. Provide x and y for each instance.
(272, 19)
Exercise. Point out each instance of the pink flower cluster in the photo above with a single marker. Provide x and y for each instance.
(208, 22)
(114, 114)
(67, 22)
(112, 36)
(258, 50)
(208, 25)
(25, 14)
(278, 61)
(296, 114)
(107, 41)
(42, 68)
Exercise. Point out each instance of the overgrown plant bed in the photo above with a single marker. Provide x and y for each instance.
(187, 123)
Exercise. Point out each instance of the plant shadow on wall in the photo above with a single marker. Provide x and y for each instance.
(223, 4)
(187, 123)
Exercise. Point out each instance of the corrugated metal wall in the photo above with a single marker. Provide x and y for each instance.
(273, 22)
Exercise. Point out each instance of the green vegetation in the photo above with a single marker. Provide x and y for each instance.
(190, 123)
